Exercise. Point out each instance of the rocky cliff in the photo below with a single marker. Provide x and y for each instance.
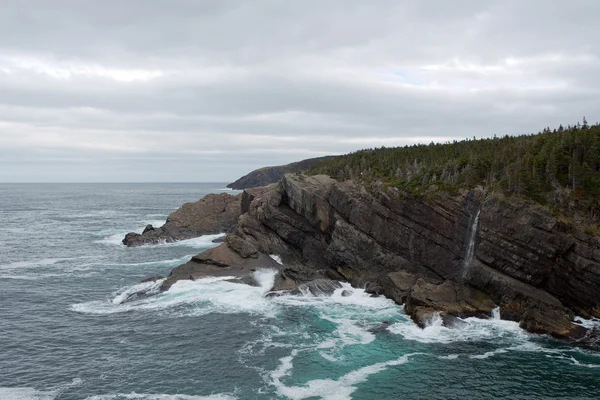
(214, 213)
(267, 175)
(460, 255)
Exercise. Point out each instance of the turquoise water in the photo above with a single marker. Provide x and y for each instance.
(65, 335)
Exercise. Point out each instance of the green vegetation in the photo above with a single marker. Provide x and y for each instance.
(557, 168)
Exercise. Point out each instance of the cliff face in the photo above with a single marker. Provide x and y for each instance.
(459, 256)
(267, 175)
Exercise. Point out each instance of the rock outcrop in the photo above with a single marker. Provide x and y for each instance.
(454, 256)
(214, 213)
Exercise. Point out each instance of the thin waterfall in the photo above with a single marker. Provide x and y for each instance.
(471, 247)
(496, 313)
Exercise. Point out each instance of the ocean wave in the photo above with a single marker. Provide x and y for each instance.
(476, 329)
(206, 295)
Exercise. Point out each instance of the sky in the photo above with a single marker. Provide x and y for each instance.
(194, 90)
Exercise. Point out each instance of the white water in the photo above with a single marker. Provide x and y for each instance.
(208, 295)
(475, 330)
(142, 288)
(276, 258)
(328, 389)
(471, 246)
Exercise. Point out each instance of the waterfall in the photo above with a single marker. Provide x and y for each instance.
(496, 313)
(471, 247)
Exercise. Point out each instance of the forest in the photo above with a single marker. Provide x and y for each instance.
(558, 168)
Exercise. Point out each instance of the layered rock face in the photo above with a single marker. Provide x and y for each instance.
(455, 256)
(214, 213)
(458, 256)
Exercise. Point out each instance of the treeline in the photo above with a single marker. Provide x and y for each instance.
(559, 168)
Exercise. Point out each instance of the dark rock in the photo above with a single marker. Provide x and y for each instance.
(450, 298)
(218, 261)
(450, 321)
(148, 228)
(214, 213)
(346, 293)
(318, 287)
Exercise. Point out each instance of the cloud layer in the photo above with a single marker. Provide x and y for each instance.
(157, 90)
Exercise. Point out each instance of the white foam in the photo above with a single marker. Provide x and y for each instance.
(158, 262)
(276, 258)
(207, 295)
(352, 315)
(489, 354)
(115, 239)
(145, 396)
(142, 288)
(25, 393)
(588, 323)
(449, 357)
(328, 389)
(476, 330)
(201, 242)
(580, 364)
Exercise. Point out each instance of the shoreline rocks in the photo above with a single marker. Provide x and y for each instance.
(214, 213)
(455, 256)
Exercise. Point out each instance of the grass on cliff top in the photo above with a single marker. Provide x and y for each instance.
(557, 168)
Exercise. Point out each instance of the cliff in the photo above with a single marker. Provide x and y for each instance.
(267, 175)
(457, 255)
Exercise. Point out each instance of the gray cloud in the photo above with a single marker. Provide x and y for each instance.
(187, 90)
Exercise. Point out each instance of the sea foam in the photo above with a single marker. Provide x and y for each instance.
(328, 389)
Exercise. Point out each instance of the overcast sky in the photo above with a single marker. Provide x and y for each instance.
(199, 90)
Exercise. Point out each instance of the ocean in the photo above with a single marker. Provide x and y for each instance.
(66, 331)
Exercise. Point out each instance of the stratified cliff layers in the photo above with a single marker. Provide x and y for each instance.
(455, 256)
